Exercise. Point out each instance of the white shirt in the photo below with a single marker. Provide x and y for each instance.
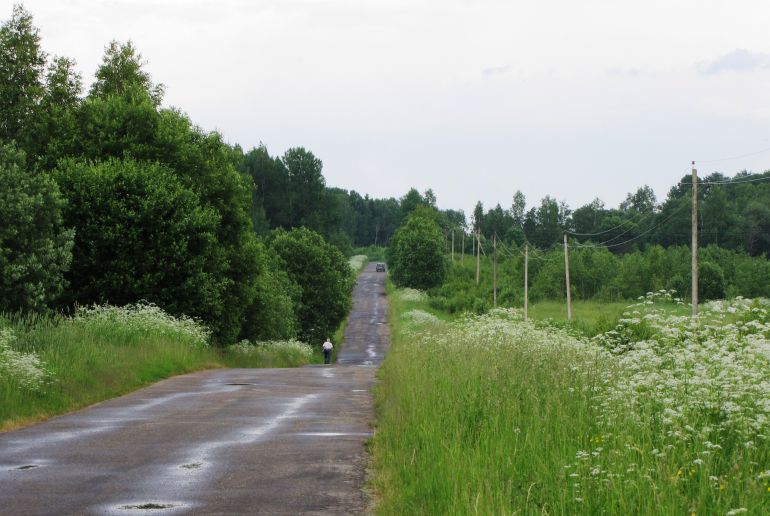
(328, 345)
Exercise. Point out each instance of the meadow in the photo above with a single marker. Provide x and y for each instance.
(54, 364)
(489, 414)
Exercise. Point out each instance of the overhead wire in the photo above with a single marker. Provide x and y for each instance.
(767, 149)
(656, 226)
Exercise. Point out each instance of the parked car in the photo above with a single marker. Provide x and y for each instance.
(380, 267)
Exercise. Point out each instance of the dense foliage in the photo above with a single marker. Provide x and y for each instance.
(416, 253)
(160, 210)
(597, 273)
(35, 250)
(141, 235)
(323, 276)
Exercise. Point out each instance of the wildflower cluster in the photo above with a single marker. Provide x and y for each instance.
(715, 371)
(25, 369)
(673, 404)
(419, 317)
(357, 262)
(146, 318)
(412, 295)
(289, 347)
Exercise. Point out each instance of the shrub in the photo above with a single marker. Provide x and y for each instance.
(35, 247)
(416, 253)
(323, 276)
(25, 369)
(711, 281)
(141, 235)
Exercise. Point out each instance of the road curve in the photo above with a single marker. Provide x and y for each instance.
(232, 441)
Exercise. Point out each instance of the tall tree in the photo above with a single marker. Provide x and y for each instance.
(306, 187)
(518, 209)
(122, 69)
(416, 252)
(35, 247)
(22, 66)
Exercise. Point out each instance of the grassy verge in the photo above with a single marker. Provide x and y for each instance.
(52, 365)
(491, 415)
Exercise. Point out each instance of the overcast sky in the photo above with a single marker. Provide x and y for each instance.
(575, 99)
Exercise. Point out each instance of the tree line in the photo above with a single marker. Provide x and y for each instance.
(108, 197)
(734, 213)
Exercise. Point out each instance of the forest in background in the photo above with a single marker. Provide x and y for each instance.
(108, 196)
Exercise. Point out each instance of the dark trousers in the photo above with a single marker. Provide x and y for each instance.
(327, 356)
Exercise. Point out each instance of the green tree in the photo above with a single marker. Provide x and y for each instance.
(56, 123)
(711, 281)
(306, 187)
(272, 312)
(22, 65)
(323, 276)
(35, 247)
(122, 70)
(142, 235)
(410, 202)
(416, 253)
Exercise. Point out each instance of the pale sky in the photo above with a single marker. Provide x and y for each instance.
(575, 99)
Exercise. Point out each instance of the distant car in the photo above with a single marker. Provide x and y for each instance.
(380, 267)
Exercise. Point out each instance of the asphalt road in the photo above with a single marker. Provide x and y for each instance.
(233, 441)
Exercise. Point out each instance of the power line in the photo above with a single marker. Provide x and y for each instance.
(735, 181)
(656, 226)
(735, 157)
(644, 216)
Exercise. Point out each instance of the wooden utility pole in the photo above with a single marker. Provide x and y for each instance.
(462, 248)
(453, 245)
(478, 256)
(694, 242)
(526, 281)
(566, 276)
(494, 271)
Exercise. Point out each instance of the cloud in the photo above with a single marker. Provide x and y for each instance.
(486, 73)
(739, 60)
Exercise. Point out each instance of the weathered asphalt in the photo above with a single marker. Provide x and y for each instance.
(233, 441)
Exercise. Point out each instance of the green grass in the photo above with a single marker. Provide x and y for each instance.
(92, 359)
(487, 418)
(588, 317)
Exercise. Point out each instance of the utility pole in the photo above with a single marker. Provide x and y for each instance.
(566, 275)
(694, 242)
(462, 248)
(453, 245)
(526, 282)
(478, 256)
(494, 271)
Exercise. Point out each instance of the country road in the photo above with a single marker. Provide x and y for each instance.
(232, 441)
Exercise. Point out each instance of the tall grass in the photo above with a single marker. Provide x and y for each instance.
(491, 415)
(104, 352)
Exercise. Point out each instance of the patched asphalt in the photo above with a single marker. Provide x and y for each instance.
(232, 441)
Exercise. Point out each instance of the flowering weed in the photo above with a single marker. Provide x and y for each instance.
(274, 353)
(489, 414)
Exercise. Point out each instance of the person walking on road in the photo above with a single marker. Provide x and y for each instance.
(327, 347)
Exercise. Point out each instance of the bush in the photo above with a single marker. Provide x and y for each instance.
(416, 253)
(35, 248)
(711, 281)
(271, 314)
(323, 276)
(141, 235)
